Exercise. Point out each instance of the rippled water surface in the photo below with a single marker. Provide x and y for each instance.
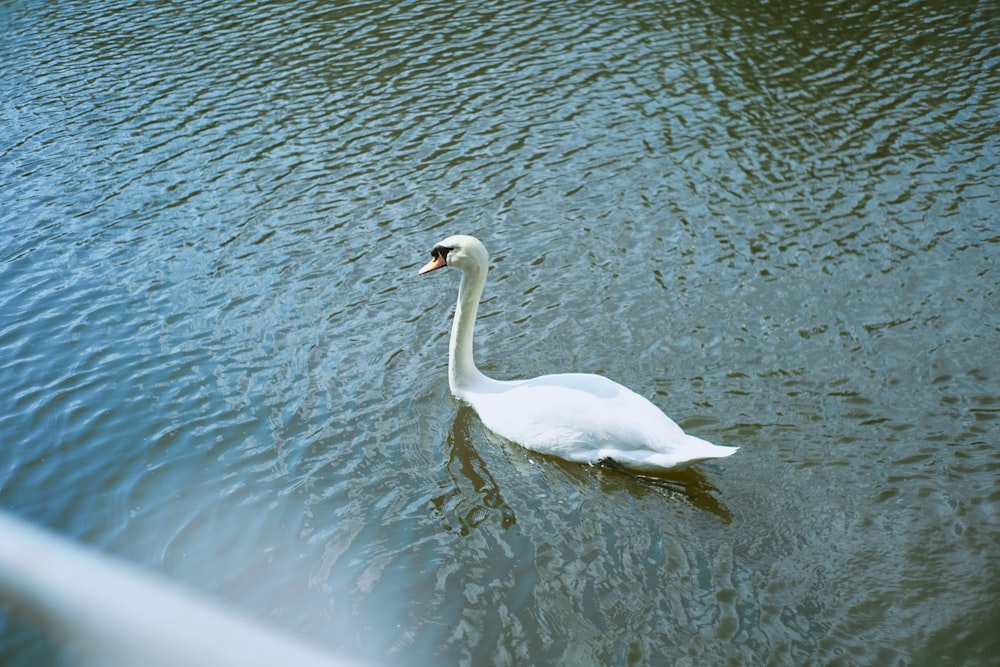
(777, 220)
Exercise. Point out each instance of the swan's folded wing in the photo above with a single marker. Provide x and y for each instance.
(578, 417)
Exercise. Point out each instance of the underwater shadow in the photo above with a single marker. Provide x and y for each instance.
(689, 485)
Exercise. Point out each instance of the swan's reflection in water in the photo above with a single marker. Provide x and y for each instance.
(476, 496)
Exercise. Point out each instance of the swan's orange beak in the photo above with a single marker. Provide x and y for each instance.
(433, 265)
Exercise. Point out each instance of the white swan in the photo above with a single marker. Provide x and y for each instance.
(575, 416)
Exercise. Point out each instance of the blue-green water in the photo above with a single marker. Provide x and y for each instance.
(779, 221)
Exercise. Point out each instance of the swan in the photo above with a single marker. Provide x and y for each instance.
(579, 417)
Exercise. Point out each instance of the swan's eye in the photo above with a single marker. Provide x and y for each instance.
(440, 252)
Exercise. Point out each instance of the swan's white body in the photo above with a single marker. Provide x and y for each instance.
(575, 416)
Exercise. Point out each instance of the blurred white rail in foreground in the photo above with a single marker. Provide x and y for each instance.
(119, 614)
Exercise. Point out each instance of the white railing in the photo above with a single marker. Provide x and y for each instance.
(118, 614)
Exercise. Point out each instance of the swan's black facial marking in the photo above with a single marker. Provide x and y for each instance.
(440, 252)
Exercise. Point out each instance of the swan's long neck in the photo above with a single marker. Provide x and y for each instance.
(462, 371)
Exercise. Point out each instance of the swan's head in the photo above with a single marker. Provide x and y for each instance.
(462, 252)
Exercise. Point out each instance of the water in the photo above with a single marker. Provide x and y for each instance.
(779, 221)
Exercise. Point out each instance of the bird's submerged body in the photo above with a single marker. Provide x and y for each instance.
(574, 416)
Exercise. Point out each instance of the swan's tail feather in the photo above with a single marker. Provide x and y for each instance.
(691, 450)
(696, 449)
